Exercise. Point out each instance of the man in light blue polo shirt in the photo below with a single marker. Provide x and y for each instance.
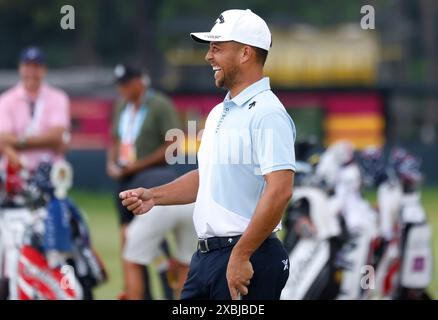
(245, 176)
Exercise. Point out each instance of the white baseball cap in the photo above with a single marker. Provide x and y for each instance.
(242, 26)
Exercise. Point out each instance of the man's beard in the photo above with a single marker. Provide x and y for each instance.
(229, 79)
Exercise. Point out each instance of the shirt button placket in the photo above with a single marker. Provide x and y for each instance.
(224, 114)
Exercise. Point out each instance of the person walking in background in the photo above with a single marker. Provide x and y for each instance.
(137, 157)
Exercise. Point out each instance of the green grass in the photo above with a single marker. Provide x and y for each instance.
(100, 212)
(430, 201)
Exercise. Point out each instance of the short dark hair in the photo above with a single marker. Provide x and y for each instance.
(261, 55)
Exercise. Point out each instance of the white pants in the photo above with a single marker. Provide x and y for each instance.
(146, 232)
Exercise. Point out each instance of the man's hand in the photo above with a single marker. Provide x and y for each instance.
(12, 156)
(113, 170)
(129, 170)
(239, 274)
(139, 200)
(267, 216)
(117, 173)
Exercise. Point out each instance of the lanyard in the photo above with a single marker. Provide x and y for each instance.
(131, 121)
(35, 116)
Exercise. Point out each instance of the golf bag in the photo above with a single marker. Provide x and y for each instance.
(338, 175)
(313, 240)
(47, 244)
(405, 268)
(403, 260)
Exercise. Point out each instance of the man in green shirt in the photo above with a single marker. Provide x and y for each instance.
(137, 152)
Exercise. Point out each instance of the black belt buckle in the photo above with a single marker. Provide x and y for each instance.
(203, 245)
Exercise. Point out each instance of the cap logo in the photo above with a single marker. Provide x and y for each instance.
(212, 36)
(119, 71)
(220, 19)
(32, 53)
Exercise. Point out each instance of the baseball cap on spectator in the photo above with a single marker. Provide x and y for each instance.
(124, 73)
(32, 54)
(242, 26)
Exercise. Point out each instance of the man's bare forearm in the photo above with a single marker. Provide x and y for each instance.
(111, 155)
(53, 140)
(266, 217)
(180, 191)
(7, 140)
(155, 158)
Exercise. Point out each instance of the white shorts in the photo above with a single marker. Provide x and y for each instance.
(146, 232)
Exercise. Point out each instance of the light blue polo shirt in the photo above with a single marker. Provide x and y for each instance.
(244, 138)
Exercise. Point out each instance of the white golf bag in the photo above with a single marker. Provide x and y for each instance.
(313, 240)
(360, 226)
(405, 268)
(340, 173)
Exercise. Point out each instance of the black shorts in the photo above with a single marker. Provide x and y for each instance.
(147, 179)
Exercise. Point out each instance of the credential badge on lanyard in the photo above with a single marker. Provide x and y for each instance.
(130, 124)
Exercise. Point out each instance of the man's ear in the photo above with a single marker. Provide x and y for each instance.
(246, 54)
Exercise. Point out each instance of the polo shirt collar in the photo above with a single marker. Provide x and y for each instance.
(249, 92)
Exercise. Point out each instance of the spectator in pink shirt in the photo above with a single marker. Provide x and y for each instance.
(34, 116)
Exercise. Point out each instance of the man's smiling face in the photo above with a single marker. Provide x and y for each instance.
(224, 59)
